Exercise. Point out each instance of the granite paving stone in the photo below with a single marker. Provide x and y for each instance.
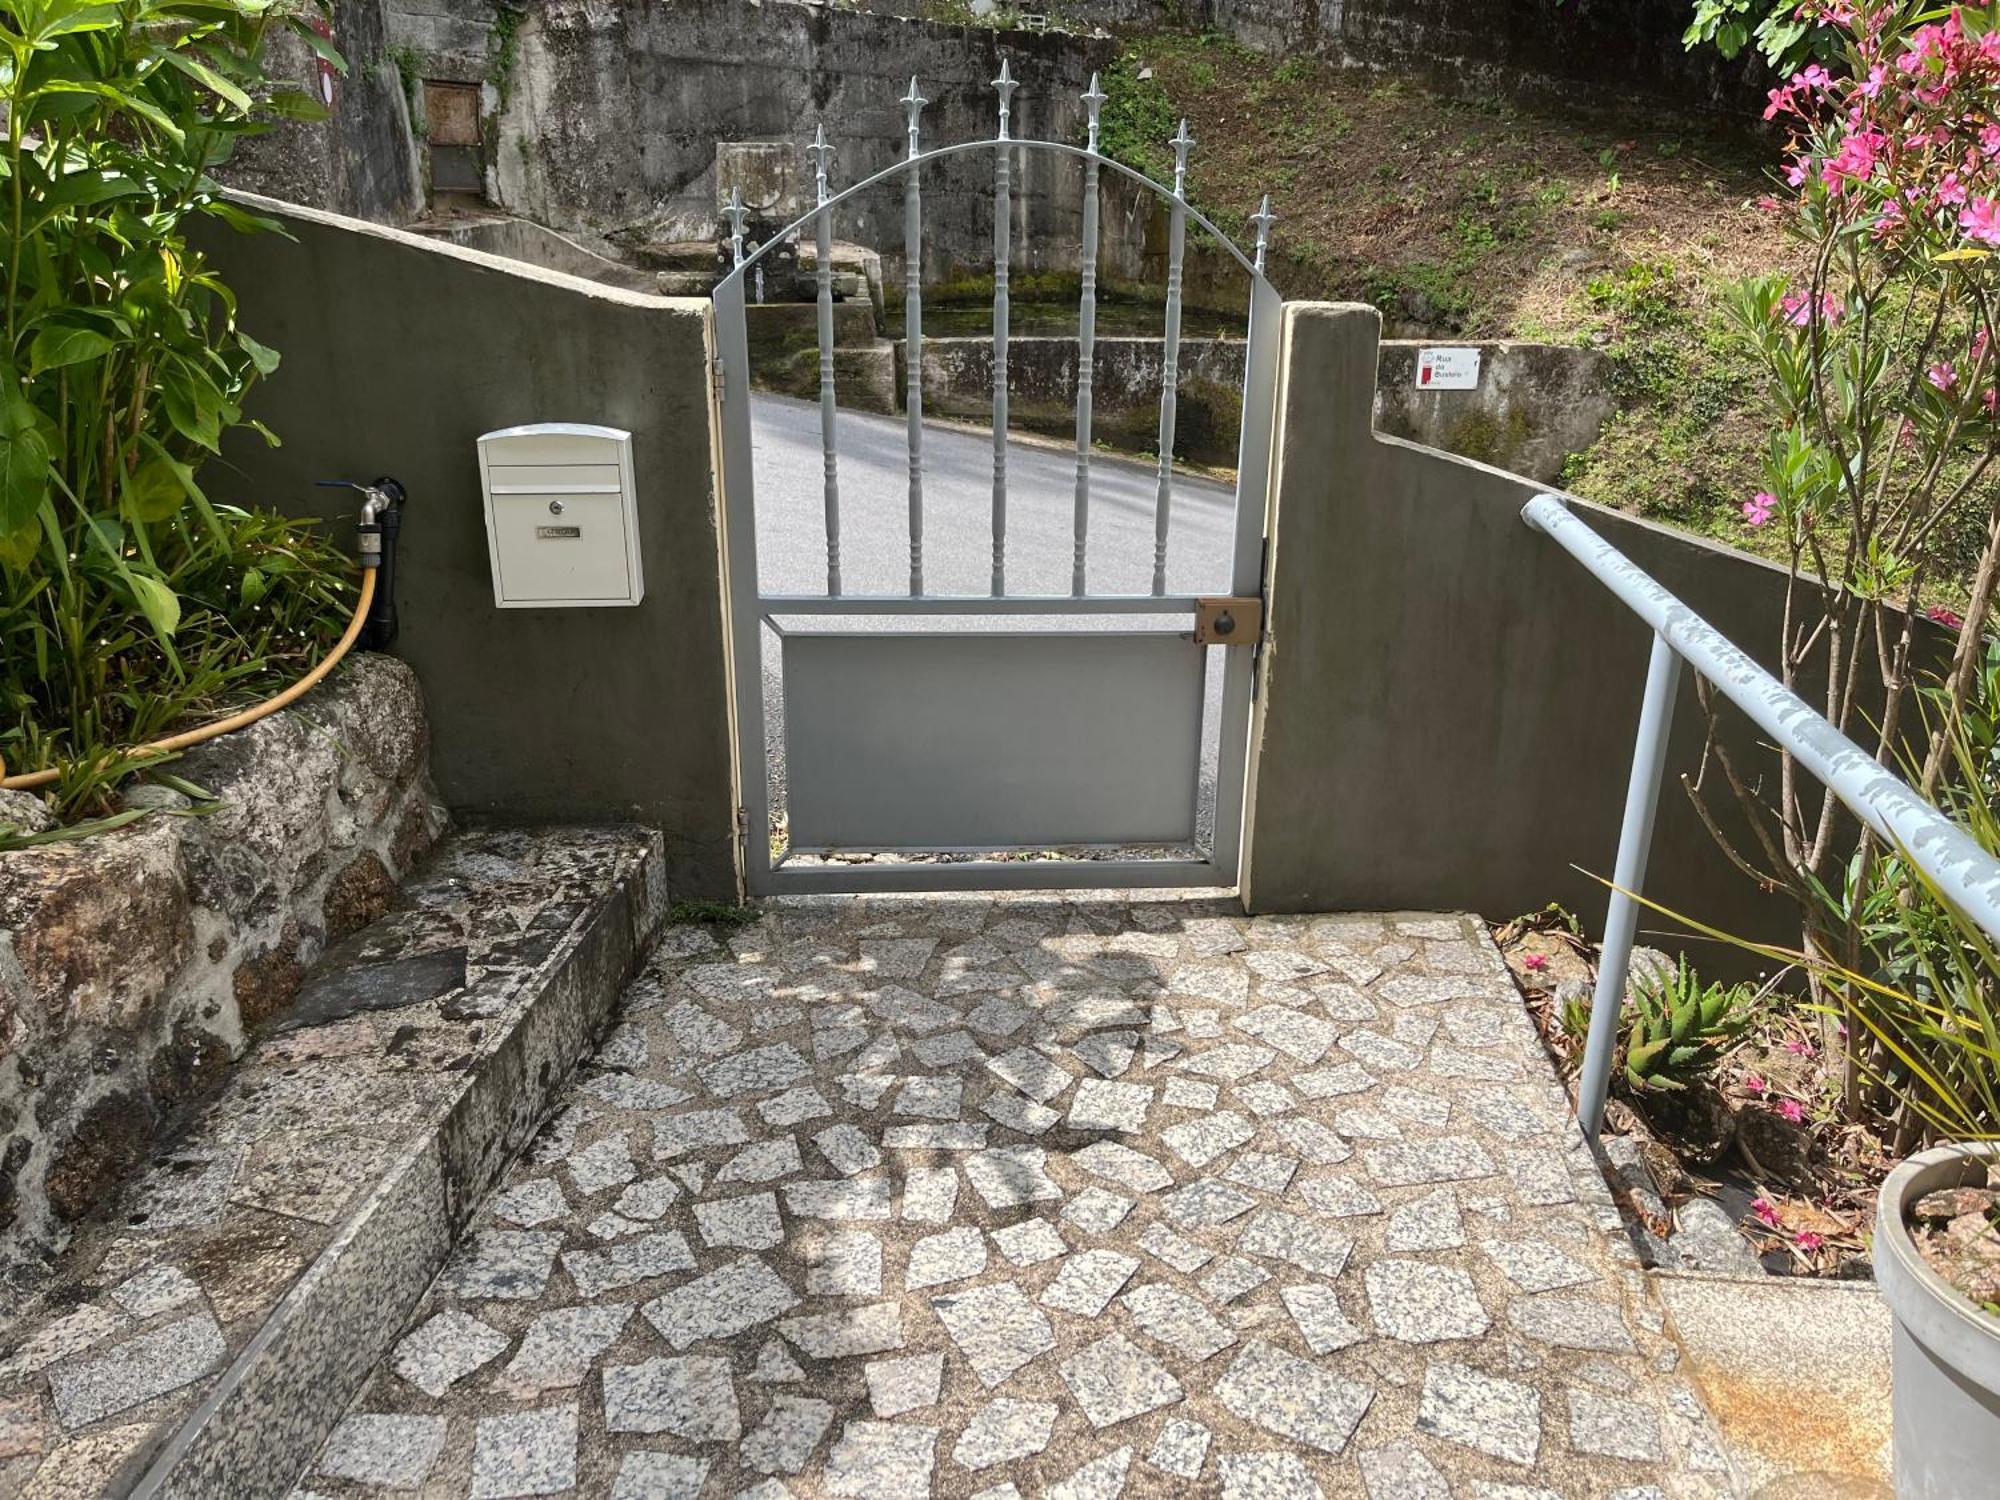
(386, 1451)
(446, 1349)
(524, 1453)
(1114, 1380)
(1019, 1197)
(1293, 1397)
(560, 1346)
(150, 1365)
(910, 1383)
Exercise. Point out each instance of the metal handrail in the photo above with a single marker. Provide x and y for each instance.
(1967, 875)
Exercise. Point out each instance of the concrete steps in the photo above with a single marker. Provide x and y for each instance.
(206, 1342)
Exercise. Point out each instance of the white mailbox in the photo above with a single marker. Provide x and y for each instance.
(561, 519)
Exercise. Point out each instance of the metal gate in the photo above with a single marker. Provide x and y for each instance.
(958, 741)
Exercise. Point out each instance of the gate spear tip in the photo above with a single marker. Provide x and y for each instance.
(1006, 85)
(1182, 144)
(1093, 100)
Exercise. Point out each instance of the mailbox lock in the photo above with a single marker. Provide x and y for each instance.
(555, 507)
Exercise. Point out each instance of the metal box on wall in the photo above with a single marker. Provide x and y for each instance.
(561, 516)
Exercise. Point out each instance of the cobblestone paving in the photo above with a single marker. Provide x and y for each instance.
(1034, 1197)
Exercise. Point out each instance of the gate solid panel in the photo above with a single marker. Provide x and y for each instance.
(989, 741)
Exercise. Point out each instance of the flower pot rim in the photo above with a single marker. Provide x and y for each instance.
(1934, 1311)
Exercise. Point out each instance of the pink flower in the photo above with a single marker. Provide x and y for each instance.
(1980, 219)
(1770, 205)
(1758, 508)
(1765, 1211)
(1815, 77)
(1808, 1241)
(1799, 1047)
(1943, 375)
(1792, 1110)
(1950, 619)
(1535, 962)
(1754, 1082)
(1951, 191)
(1798, 308)
(1992, 400)
(1781, 103)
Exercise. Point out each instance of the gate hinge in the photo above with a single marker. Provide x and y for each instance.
(1234, 621)
(717, 380)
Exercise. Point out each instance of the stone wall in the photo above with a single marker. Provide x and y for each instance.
(361, 159)
(604, 117)
(134, 965)
(1535, 404)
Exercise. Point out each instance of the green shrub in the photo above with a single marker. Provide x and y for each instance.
(1137, 121)
(127, 600)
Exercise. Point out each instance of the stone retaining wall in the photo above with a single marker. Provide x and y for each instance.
(135, 964)
(1535, 404)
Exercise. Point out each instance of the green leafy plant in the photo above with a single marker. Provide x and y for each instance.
(127, 600)
(1784, 35)
(1137, 121)
(1878, 494)
(1680, 1027)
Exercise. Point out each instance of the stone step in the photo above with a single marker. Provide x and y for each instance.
(207, 1339)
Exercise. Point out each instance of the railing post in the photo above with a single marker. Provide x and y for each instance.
(1621, 917)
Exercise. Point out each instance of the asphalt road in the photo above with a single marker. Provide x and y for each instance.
(958, 497)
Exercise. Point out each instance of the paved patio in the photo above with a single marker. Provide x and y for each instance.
(1044, 1197)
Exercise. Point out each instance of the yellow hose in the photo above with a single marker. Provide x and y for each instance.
(241, 720)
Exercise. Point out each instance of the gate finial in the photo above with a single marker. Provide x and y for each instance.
(1093, 100)
(1182, 144)
(1006, 85)
(913, 103)
(1263, 219)
(821, 153)
(736, 213)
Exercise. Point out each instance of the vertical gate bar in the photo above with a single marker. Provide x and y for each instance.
(1086, 342)
(1003, 215)
(913, 335)
(1163, 495)
(821, 153)
(746, 622)
(735, 213)
(1621, 917)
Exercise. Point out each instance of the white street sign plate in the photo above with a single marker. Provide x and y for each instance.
(1447, 369)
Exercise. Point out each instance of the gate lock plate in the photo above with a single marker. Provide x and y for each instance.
(1228, 622)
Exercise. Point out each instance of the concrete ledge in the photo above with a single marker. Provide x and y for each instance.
(208, 1343)
(1796, 1374)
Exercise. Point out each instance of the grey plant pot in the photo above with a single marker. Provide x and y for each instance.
(1946, 1351)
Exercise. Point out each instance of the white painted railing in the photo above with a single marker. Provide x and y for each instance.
(1968, 876)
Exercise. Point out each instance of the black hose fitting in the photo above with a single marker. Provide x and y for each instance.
(375, 542)
(379, 633)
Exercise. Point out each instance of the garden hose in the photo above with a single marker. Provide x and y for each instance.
(383, 500)
(30, 779)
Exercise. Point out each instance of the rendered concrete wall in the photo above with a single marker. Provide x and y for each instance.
(398, 353)
(1448, 702)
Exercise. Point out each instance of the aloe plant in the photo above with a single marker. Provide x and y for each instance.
(1680, 1027)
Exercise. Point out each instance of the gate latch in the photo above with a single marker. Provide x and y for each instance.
(1228, 622)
